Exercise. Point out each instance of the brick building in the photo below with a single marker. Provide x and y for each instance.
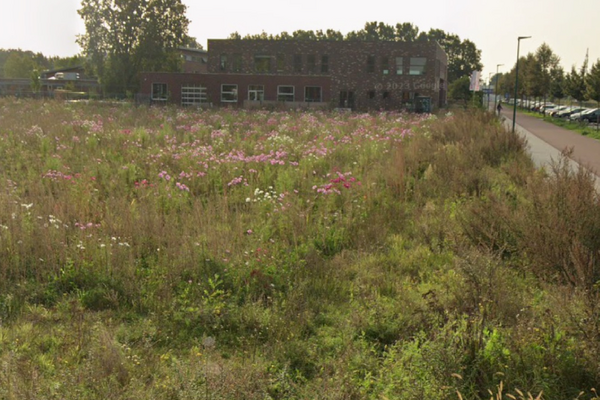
(194, 60)
(350, 74)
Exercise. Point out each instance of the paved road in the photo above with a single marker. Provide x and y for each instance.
(546, 141)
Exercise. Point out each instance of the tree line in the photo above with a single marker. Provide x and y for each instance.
(17, 63)
(542, 76)
(463, 56)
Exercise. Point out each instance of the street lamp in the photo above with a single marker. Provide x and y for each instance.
(488, 90)
(517, 81)
(496, 86)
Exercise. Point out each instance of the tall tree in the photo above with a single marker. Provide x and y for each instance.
(532, 76)
(576, 85)
(557, 83)
(575, 82)
(546, 61)
(592, 81)
(124, 37)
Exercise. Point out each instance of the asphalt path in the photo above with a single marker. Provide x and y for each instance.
(547, 141)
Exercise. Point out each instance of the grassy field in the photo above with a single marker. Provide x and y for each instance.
(161, 253)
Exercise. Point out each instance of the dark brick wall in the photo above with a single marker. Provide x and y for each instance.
(347, 65)
(213, 83)
(356, 67)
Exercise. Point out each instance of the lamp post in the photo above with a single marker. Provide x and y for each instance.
(496, 86)
(488, 90)
(517, 80)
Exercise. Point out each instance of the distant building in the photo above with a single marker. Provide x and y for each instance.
(63, 82)
(361, 75)
(72, 79)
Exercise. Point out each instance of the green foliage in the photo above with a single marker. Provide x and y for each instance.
(125, 37)
(459, 91)
(166, 253)
(19, 66)
(593, 82)
(575, 82)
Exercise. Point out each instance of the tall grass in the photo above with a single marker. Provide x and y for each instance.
(169, 253)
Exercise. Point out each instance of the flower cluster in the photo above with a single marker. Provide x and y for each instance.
(335, 185)
(270, 195)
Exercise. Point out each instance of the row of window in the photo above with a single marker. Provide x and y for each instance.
(387, 95)
(311, 64)
(229, 93)
(416, 65)
(267, 63)
(196, 94)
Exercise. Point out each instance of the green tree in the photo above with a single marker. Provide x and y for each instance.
(459, 92)
(575, 84)
(463, 56)
(507, 83)
(557, 83)
(125, 37)
(18, 66)
(592, 82)
(36, 83)
(532, 76)
(406, 32)
(546, 61)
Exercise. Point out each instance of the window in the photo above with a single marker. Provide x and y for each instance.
(370, 63)
(280, 62)
(385, 95)
(236, 62)
(285, 93)
(229, 93)
(312, 94)
(399, 66)
(262, 63)
(297, 63)
(256, 92)
(346, 99)
(417, 65)
(324, 64)
(385, 65)
(311, 63)
(159, 91)
(223, 62)
(371, 94)
(193, 95)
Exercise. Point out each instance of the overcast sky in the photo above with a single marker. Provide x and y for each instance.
(568, 27)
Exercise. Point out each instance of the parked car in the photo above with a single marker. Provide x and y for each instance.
(546, 108)
(579, 115)
(569, 111)
(556, 109)
(590, 116)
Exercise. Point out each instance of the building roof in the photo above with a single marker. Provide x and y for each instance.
(199, 51)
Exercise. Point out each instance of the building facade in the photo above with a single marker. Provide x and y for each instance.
(358, 75)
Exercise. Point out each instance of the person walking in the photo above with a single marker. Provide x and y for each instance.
(499, 108)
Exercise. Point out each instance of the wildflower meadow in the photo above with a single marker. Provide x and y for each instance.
(169, 253)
